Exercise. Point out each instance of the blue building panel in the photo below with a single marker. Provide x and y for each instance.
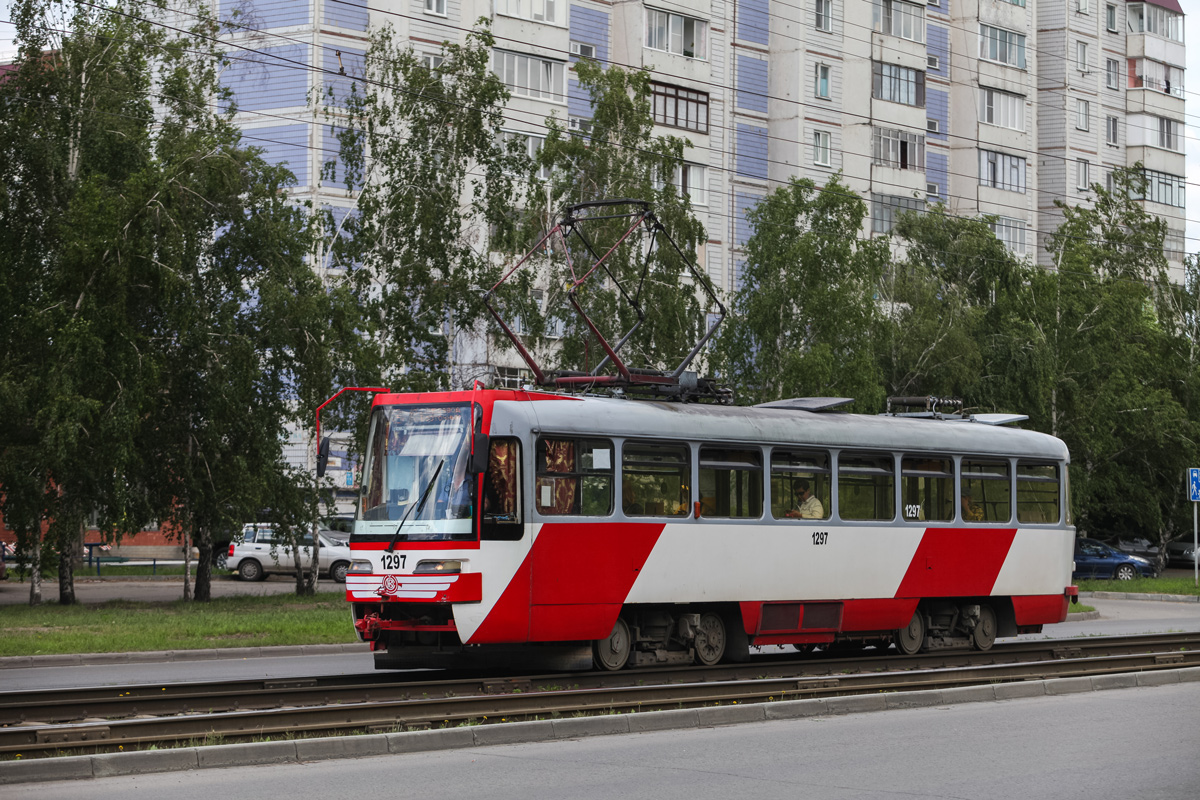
(274, 77)
(282, 144)
(751, 91)
(937, 43)
(750, 152)
(350, 14)
(332, 171)
(937, 107)
(590, 26)
(264, 14)
(937, 170)
(579, 102)
(339, 215)
(742, 230)
(941, 6)
(753, 21)
(337, 85)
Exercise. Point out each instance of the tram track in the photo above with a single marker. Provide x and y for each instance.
(69, 721)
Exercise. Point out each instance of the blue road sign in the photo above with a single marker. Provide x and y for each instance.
(1194, 483)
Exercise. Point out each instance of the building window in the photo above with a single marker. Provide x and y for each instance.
(933, 62)
(1145, 73)
(435, 7)
(1083, 6)
(689, 179)
(1002, 108)
(932, 191)
(511, 378)
(432, 62)
(821, 81)
(1170, 134)
(680, 108)
(1110, 130)
(1149, 18)
(822, 152)
(933, 126)
(536, 10)
(1006, 47)
(1001, 171)
(1110, 18)
(898, 18)
(1020, 3)
(1081, 56)
(1112, 73)
(1011, 233)
(898, 84)
(824, 15)
(532, 145)
(1082, 174)
(1082, 114)
(674, 33)
(1164, 188)
(898, 149)
(885, 208)
(1172, 247)
(529, 76)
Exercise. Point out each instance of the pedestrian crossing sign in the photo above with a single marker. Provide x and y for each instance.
(1194, 484)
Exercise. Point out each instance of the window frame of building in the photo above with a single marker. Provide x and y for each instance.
(1083, 6)
(897, 148)
(1002, 46)
(1083, 172)
(996, 104)
(664, 96)
(1158, 21)
(1083, 114)
(899, 18)
(558, 74)
(435, 7)
(896, 84)
(511, 377)
(546, 11)
(1081, 56)
(823, 15)
(1012, 233)
(667, 32)
(1112, 74)
(932, 126)
(821, 81)
(1163, 187)
(884, 208)
(1170, 134)
(1110, 18)
(1000, 170)
(822, 148)
(1112, 130)
(691, 180)
(1161, 81)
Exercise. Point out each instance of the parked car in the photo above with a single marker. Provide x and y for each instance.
(1181, 552)
(1136, 546)
(1094, 559)
(257, 554)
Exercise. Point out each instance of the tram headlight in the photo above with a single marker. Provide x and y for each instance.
(361, 566)
(447, 567)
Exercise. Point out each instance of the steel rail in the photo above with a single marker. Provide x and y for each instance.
(524, 702)
(161, 699)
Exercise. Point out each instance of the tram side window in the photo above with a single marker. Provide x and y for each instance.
(986, 491)
(654, 480)
(574, 476)
(927, 489)
(866, 486)
(801, 485)
(502, 492)
(1037, 492)
(731, 483)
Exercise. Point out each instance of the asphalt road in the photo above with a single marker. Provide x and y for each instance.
(90, 589)
(1111, 745)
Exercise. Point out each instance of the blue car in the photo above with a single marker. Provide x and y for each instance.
(1095, 559)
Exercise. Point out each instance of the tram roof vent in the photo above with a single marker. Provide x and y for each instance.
(998, 419)
(808, 403)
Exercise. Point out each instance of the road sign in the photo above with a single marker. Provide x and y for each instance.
(1194, 484)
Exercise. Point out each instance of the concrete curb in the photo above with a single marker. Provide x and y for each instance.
(301, 750)
(158, 656)
(1162, 598)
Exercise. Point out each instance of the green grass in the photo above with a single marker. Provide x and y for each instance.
(1149, 585)
(125, 626)
(1080, 608)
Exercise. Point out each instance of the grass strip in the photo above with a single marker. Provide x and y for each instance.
(123, 626)
(1168, 585)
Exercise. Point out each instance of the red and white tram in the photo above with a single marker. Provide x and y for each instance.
(497, 526)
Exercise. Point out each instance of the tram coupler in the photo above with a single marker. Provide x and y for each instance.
(368, 627)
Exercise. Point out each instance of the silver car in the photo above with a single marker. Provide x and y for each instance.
(257, 553)
(1181, 552)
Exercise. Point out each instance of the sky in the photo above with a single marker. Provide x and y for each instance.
(1191, 81)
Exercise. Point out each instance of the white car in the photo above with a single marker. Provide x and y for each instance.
(257, 553)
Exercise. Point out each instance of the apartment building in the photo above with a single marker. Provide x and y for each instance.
(996, 107)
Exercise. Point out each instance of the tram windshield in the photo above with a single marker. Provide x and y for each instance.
(411, 451)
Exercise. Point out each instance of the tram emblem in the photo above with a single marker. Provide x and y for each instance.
(389, 586)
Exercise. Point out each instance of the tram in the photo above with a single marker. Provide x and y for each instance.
(534, 527)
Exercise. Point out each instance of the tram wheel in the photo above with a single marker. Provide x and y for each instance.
(612, 654)
(710, 639)
(984, 635)
(910, 639)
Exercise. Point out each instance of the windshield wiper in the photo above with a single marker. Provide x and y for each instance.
(419, 506)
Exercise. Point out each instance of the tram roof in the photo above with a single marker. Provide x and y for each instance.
(603, 416)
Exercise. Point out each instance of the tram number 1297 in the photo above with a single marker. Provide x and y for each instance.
(393, 561)
(820, 537)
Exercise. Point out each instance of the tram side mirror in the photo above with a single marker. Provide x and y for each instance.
(323, 456)
(479, 458)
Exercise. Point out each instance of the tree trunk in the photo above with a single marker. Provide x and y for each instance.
(66, 569)
(187, 564)
(35, 570)
(204, 564)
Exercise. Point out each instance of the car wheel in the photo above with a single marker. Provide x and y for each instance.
(221, 559)
(337, 573)
(1126, 573)
(250, 570)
